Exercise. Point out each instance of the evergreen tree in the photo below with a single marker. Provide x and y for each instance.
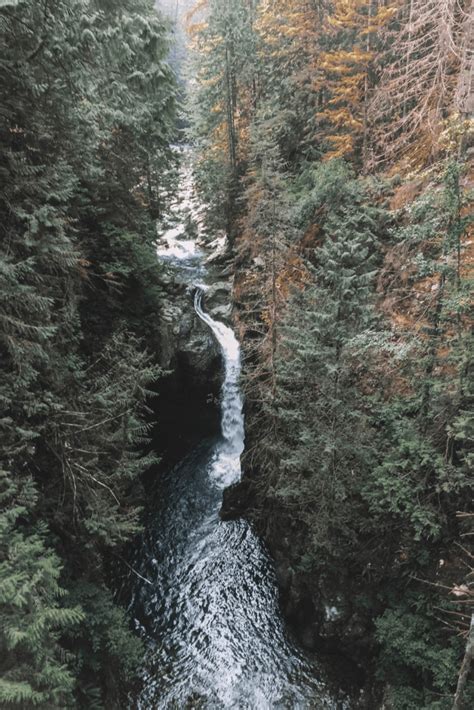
(223, 103)
(87, 120)
(33, 667)
(349, 74)
(424, 474)
(323, 443)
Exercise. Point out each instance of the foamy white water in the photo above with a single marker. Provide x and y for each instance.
(207, 600)
(173, 246)
(226, 469)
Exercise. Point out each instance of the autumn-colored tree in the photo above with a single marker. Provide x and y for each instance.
(347, 70)
(353, 309)
(265, 239)
(292, 36)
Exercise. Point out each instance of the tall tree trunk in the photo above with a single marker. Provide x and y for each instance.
(407, 61)
(465, 87)
(230, 107)
(365, 138)
(230, 101)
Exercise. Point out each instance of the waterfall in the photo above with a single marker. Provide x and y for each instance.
(206, 599)
(226, 469)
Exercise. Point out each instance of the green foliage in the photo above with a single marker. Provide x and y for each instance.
(88, 109)
(398, 485)
(225, 76)
(106, 651)
(414, 650)
(33, 615)
(356, 318)
(323, 445)
(363, 439)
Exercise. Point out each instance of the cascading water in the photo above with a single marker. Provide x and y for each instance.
(226, 468)
(205, 600)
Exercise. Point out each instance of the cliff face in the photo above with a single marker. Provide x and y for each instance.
(186, 344)
(187, 408)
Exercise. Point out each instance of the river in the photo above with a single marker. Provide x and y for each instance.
(206, 601)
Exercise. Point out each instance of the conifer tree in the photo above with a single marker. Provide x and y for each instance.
(323, 450)
(292, 36)
(87, 118)
(266, 241)
(33, 668)
(348, 71)
(224, 102)
(425, 447)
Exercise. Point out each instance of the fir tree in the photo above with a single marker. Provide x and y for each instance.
(323, 453)
(87, 119)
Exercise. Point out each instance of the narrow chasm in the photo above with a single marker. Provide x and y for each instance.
(203, 593)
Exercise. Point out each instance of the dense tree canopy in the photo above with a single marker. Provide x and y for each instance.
(87, 116)
(334, 144)
(353, 239)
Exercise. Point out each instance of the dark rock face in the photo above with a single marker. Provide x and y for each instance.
(218, 297)
(318, 604)
(236, 500)
(200, 361)
(183, 333)
(187, 408)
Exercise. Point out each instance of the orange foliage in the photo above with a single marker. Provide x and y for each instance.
(194, 18)
(346, 74)
(290, 33)
(294, 33)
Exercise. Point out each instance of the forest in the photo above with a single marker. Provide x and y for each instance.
(332, 147)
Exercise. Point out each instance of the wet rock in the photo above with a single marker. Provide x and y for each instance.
(219, 249)
(201, 357)
(219, 293)
(218, 300)
(228, 271)
(235, 501)
(187, 407)
(222, 313)
(186, 342)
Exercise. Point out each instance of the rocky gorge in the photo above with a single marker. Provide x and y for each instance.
(320, 614)
(205, 595)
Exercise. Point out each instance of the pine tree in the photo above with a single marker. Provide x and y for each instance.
(425, 446)
(266, 242)
(223, 104)
(348, 71)
(291, 38)
(323, 447)
(33, 614)
(87, 118)
(439, 376)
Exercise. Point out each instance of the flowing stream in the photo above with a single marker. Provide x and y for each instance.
(207, 603)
